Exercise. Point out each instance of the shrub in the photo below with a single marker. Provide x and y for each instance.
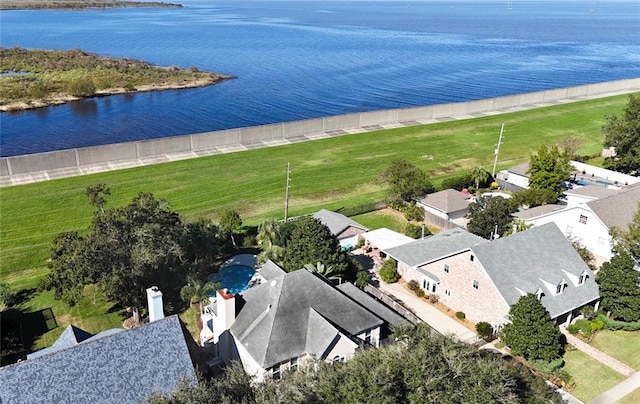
(360, 243)
(413, 230)
(362, 278)
(413, 285)
(433, 298)
(388, 271)
(485, 330)
(413, 213)
(7, 297)
(547, 367)
(573, 328)
(494, 185)
(619, 325)
(588, 312)
(597, 324)
(458, 183)
(460, 315)
(420, 293)
(82, 87)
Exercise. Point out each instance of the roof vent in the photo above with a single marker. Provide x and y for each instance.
(273, 282)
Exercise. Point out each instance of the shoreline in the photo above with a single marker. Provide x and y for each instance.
(7, 5)
(62, 99)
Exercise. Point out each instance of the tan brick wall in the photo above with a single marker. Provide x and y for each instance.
(482, 304)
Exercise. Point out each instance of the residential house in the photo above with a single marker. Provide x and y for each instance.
(291, 318)
(588, 193)
(444, 207)
(345, 229)
(115, 366)
(483, 279)
(590, 223)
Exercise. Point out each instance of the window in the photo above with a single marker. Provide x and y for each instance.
(583, 219)
(425, 284)
(338, 358)
(293, 364)
(275, 372)
(367, 337)
(471, 257)
(559, 289)
(447, 292)
(446, 268)
(582, 278)
(433, 288)
(476, 284)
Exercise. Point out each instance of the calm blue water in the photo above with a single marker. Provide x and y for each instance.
(299, 59)
(235, 278)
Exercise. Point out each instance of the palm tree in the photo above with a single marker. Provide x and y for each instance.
(479, 175)
(328, 272)
(196, 291)
(267, 234)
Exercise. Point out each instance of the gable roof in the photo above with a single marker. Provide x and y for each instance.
(271, 271)
(70, 336)
(592, 191)
(439, 245)
(508, 262)
(295, 313)
(119, 367)
(520, 169)
(447, 201)
(538, 211)
(336, 222)
(365, 300)
(617, 210)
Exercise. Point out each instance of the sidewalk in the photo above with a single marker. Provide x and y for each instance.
(619, 390)
(598, 355)
(429, 314)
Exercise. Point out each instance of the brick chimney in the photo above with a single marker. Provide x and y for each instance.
(154, 301)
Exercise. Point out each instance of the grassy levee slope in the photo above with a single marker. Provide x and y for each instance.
(325, 173)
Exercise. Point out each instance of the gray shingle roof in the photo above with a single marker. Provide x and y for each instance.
(520, 169)
(617, 210)
(538, 211)
(271, 271)
(371, 304)
(447, 201)
(593, 191)
(124, 367)
(276, 322)
(336, 222)
(422, 251)
(510, 263)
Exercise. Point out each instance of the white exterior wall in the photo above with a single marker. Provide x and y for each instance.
(622, 179)
(352, 241)
(593, 235)
(433, 211)
(250, 365)
(574, 200)
(344, 347)
(375, 336)
(519, 180)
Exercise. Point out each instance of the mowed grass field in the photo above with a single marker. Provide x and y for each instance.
(327, 173)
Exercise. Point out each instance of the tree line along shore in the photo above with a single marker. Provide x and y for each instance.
(35, 78)
(79, 4)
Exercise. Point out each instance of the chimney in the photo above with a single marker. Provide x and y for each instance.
(154, 301)
(226, 310)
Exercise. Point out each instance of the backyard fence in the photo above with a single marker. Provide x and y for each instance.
(361, 209)
(393, 303)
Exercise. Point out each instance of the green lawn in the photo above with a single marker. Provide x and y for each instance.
(592, 378)
(382, 218)
(622, 345)
(328, 173)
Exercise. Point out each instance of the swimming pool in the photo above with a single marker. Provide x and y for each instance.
(235, 278)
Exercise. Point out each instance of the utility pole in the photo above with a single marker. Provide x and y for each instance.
(286, 193)
(497, 150)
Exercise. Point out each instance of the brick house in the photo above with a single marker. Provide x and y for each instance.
(483, 279)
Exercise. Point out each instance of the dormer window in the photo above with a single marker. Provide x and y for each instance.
(539, 294)
(561, 287)
(582, 279)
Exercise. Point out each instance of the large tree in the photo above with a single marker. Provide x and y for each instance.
(126, 250)
(312, 242)
(548, 169)
(488, 214)
(532, 333)
(620, 287)
(623, 133)
(405, 181)
(629, 240)
(230, 222)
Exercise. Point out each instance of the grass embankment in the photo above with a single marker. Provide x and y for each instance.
(622, 345)
(592, 378)
(78, 4)
(328, 173)
(38, 78)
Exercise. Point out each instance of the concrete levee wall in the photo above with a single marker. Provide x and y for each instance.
(95, 155)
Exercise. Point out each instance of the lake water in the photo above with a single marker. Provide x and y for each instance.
(304, 59)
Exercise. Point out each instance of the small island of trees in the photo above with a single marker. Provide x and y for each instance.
(34, 78)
